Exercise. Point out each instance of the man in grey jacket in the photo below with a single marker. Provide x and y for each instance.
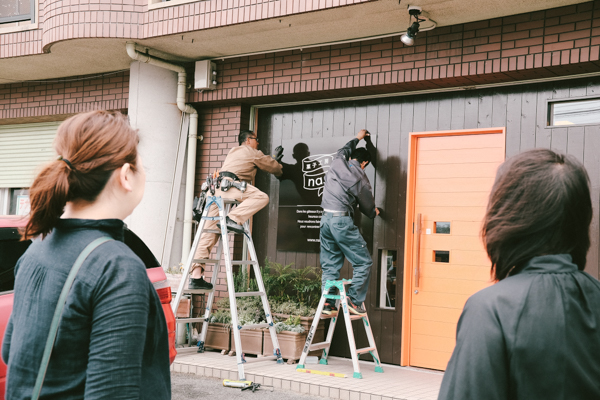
(346, 184)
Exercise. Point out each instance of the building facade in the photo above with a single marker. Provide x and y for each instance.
(481, 83)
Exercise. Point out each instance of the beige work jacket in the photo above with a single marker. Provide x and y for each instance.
(244, 161)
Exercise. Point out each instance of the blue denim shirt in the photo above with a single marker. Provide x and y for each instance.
(112, 340)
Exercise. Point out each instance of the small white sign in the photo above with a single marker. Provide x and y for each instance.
(428, 231)
(23, 206)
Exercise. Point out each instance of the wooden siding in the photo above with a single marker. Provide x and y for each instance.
(521, 109)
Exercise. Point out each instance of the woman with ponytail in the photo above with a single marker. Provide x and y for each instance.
(112, 340)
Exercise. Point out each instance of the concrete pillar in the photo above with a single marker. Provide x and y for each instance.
(153, 110)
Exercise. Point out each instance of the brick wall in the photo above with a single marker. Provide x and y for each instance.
(219, 126)
(31, 101)
(561, 41)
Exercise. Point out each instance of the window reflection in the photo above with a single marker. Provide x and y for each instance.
(387, 281)
(575, 112)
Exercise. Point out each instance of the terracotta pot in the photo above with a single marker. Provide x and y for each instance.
(306, 323)
(290, 343)
(217, 336)
(252, 341)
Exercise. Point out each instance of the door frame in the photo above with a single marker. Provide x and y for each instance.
(408, 234)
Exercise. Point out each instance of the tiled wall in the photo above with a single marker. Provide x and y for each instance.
(70, 19)
(27, 100)
(559, 41)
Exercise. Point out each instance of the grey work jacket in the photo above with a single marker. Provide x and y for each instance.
(346, 184)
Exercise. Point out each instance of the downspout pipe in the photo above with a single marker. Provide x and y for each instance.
(192, 139)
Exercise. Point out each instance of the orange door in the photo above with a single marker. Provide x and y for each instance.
(453, 176)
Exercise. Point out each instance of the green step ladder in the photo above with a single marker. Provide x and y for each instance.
(341, 303)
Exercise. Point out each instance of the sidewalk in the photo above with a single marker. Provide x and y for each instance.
(395, 383)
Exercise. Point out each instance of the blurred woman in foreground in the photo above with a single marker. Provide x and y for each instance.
(536, 333)
(112, 340)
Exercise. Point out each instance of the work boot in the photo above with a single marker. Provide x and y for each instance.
(232, 226)
(356, 310)
(330, 309)
(199, 284)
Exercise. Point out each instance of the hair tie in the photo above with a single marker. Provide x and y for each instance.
(66, 161)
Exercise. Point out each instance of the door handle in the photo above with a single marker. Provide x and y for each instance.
(417, 251)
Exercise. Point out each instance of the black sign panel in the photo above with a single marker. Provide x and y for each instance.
(305, 165)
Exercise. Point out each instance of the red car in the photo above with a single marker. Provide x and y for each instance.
(11, 249)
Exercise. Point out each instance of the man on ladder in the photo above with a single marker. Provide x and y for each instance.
(346, 184)
(240, 164)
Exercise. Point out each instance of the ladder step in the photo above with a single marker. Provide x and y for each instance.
(186, 320)
(197, 291)
(355, 317)
(217, 231)
(249, 294)
(186, 350)
(319, 346)
(243, 262)
(256, 326)
(259, 359)
(364, 350)
(205, 261)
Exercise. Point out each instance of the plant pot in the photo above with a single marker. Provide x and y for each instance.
(306, 323)
(290, 344)
(217, 336)
(252, 341)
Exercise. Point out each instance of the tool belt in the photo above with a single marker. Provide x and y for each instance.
(225, 174)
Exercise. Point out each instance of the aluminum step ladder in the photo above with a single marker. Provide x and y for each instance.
(341, 302)
(224, 205)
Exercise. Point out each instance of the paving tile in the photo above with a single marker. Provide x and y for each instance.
(296, 386)
(396, 383)
(304, 388)
(314, 390)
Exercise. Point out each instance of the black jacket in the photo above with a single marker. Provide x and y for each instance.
(534, 335)
(112, 339)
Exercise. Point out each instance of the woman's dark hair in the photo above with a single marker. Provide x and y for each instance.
(540, 204)
(243, 136)
(90, 147)
(361, 154)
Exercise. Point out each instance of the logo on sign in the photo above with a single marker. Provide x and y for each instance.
(314, 169)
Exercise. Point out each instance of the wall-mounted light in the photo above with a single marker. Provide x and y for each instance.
(411, 33)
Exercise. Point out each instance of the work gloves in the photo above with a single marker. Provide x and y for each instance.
(278, 154)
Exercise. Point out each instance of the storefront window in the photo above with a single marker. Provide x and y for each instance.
(387, 278)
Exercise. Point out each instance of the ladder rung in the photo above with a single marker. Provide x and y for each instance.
(256, 326)
(205, 261)
(243, 262)
(319, 346)
(197, 291)
(324, 316)
(355, 317)
(217, 231)
(259, 359)
(186, 349)
(187, 320)
(249, 294)
(364, 350)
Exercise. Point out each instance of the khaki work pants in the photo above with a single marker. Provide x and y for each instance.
(251, 202)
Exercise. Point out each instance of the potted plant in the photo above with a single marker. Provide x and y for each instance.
(291, 337)
(219, 328)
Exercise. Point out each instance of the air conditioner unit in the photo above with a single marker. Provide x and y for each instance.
(206, 75)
